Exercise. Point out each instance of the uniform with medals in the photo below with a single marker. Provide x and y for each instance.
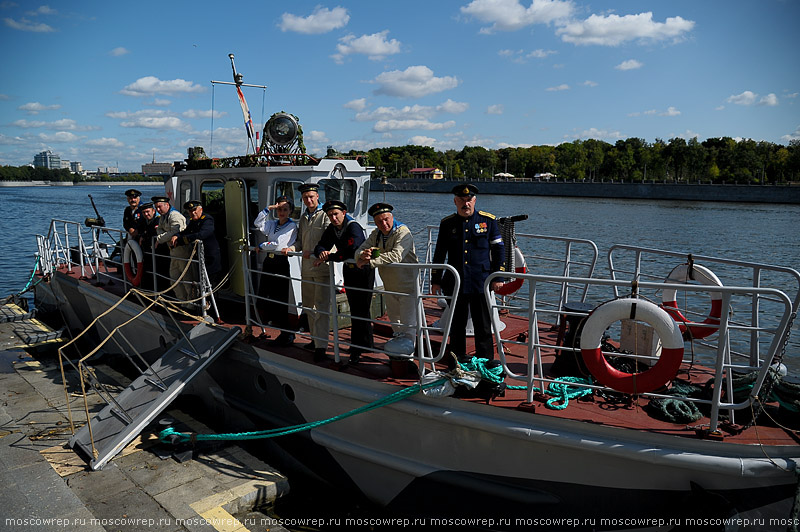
(474, 247)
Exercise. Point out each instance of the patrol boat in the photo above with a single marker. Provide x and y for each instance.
(631, 398)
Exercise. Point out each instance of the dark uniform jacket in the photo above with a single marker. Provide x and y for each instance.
(131, 217)
(346, 243)
(147, 231)
(203, 229)
(473, 246)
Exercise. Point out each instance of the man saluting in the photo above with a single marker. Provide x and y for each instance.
(472, 244)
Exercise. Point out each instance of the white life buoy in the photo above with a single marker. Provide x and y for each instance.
(701, 274)
(619, 309)
(133, 247)
(512, 286)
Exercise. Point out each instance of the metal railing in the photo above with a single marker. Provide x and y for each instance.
(725, 360)
(425, 354)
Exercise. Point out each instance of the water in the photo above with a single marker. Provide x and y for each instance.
(753, 232)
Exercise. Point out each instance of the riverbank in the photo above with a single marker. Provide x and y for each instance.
(78, 184)
(652, 190)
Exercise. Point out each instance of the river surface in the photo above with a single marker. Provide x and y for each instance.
(764, 233)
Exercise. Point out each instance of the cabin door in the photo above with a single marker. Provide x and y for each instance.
(237, 233)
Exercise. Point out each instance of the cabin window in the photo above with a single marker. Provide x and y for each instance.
(344, 190)
(290, 190)
(213, 198)
(252, 201)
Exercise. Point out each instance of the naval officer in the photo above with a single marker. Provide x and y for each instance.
(471, 242)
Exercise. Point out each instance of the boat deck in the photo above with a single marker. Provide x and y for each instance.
(608, 408)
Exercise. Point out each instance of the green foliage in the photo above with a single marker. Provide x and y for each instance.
(717, 160)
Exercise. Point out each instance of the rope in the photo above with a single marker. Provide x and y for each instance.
(170, 435)
(30, 284)
(562, 391)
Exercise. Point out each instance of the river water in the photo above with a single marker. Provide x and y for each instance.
(764, 233)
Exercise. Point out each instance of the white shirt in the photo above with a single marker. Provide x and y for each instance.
(278, 236)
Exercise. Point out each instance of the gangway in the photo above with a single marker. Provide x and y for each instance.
(125, 416)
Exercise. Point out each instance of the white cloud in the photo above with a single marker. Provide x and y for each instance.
(356, 105)
(118, 51)
(59, 136)
(770, 100)
(394, 125)
(421, 140)
(64, 124)
(496, 109)
(150, 85)
(198, 113)
(160, 102)
(105, 142)
(510, 15)
(562, 87)
(24, 24)
(589, 83)
(322, 20)
(630, 64)
(792, 136)
(671, 111)
(745, 98)
(374, 46)
(600, 134)
(156, 122)
(520, 56)
(612, 30)
(33, 108)
(316, 136)
(413, 82)
(411, 112)
(43, 10)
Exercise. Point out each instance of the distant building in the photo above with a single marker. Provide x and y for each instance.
(110, 170)
(76, 167)
(157, 169)
(47, 159)
(427, 173)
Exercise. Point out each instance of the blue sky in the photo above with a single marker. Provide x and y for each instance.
(112, 83)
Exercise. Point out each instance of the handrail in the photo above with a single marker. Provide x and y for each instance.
(721, 350)
(423, 353)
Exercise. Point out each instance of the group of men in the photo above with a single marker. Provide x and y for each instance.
(158, 223)
(469, 240)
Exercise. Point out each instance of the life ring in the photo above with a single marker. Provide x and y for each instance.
(701, 274)
(512, 286)
(133, 246)
(651, 379)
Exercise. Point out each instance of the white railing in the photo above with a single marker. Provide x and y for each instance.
(723, 362)
(425, 354)
(70, 245)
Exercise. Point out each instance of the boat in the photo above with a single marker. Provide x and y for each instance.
(650, 394)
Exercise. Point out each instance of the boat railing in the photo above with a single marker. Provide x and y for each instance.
(545, 255)
(93, 249)
(425, 351)
(648, 264)
(722, 359)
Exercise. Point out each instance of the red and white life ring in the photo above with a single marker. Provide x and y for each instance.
(133, 247)
(701, 274)
(651, 379)
(512, 286)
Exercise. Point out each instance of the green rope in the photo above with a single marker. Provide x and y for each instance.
(170, 435)
(28, 285)
(561, 390)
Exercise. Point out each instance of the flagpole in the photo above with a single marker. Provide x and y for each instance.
(248, 121)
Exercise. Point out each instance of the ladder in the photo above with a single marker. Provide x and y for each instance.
(124, 417)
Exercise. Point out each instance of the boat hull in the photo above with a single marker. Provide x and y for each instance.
(440, 456)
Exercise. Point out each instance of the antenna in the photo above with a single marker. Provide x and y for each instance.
(237, 78)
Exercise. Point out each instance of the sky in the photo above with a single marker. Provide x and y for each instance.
(123, 83)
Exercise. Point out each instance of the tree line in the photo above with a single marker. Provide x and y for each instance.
(718, 160)
(30, 173)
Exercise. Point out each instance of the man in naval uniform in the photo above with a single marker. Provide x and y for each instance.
(472, 243)
(392, 242)
(130, 218)
(201, 227)
(315, 291)
(170, 223)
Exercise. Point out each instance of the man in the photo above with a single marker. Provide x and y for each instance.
(339, 243)
(146, 229)
(315, 289)
(390, 243)
(201, 227)
(276, 283)
(472, 243)
(132, 214)
(170, 224)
